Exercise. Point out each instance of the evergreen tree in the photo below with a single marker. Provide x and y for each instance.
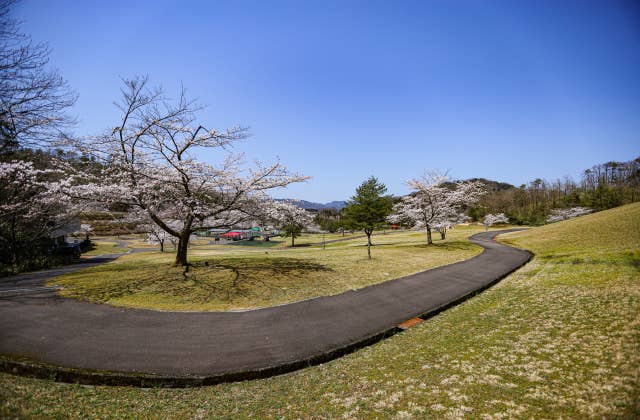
(368, 209)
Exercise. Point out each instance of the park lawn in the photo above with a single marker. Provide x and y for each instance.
(230, 277)
(305, 239)
(558, 338)
(101, 247)
(141, 241)
(317, 238)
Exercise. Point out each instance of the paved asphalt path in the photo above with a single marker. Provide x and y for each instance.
(49, 329)
(34, 282)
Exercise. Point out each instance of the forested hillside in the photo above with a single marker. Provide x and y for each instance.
(601, 187)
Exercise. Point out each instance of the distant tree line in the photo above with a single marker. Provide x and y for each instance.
(601, 187)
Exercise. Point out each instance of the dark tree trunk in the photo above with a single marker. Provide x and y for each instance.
(183, 246)
(443, 234)
(293, 241)
(12, 246)
(368, 243)
(161, 245)
(429, 238)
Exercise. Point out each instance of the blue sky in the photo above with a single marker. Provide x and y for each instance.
(507, 90)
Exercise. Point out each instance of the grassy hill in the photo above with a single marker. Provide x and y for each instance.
(558, 338)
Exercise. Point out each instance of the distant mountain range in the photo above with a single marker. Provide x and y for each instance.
(309, 205)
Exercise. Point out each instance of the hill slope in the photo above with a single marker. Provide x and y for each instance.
(607, 231)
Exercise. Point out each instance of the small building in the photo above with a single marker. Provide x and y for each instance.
(60, 235)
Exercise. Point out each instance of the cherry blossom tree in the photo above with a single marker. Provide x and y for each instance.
(85, 230)
(494, 219)
(434, 200)
(150, 163)
(291, 219)
(157, 235)
(564, 214)
(32, 206)
(442, 226)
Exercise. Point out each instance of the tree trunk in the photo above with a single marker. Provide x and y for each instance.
(429, 238)
(12, 246)
(292, 241)
(183, 246)
(161, 245)
(368, 243)
(443, 234)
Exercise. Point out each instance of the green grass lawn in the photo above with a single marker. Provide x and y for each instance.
(316, 238)
(560, 338)
(225, 277)
(305, 239)
(101, 246)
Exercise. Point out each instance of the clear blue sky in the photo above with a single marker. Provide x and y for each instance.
(508, 90)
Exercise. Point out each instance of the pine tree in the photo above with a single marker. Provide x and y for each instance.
(368, 209)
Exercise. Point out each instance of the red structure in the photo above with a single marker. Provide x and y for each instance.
(231, 235)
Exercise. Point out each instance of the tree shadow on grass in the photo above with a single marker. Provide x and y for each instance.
(222, 280)
(630, 259)
(228, 279)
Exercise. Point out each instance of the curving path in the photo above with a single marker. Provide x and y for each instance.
(104, 344)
